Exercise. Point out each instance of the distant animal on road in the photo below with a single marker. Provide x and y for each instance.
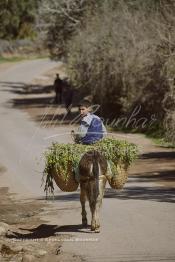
(92, 171)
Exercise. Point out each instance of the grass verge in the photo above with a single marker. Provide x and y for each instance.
(14, 59)
(156, 134)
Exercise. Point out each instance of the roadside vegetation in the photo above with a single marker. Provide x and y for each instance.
(19, 38)
(122, 53)
(14, 59)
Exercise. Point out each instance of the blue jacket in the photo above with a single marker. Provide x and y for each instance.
(94, 132)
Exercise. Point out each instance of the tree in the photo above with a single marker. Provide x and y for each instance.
(121, 51)
(17, 18)
(121, 57)
(59, 21)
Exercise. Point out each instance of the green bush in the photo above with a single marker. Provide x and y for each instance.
(60, 155)
(120, 52)
(120, 58)
(17, 19)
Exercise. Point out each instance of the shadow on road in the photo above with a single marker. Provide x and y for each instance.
(151, 193)
(159, 155)
(36, 102)
(39, 102)
(45, 231)
(26, 89)
(161, 176)
(157, 194)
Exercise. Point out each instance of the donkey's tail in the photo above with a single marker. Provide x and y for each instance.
(96, 171)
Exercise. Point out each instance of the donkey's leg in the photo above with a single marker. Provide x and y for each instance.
(98, 205)
(92, 205)
(102, 184)
(83, 201)
(92, 197)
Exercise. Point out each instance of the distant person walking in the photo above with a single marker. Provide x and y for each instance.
(58, 87)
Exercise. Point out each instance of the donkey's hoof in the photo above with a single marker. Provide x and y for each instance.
(95, 230)
(92, 228)
(84, 223)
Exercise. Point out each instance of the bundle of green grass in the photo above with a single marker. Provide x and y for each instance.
(61, 160)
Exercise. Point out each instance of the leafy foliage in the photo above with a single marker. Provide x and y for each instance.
(119, 52)
(123, 57)
(17, 18)
(59, 21)
(59, 156)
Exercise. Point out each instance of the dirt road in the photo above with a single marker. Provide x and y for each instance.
(137, 222)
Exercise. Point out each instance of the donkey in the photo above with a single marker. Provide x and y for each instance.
(92, 171)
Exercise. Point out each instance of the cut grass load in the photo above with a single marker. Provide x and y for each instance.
(63, 159)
